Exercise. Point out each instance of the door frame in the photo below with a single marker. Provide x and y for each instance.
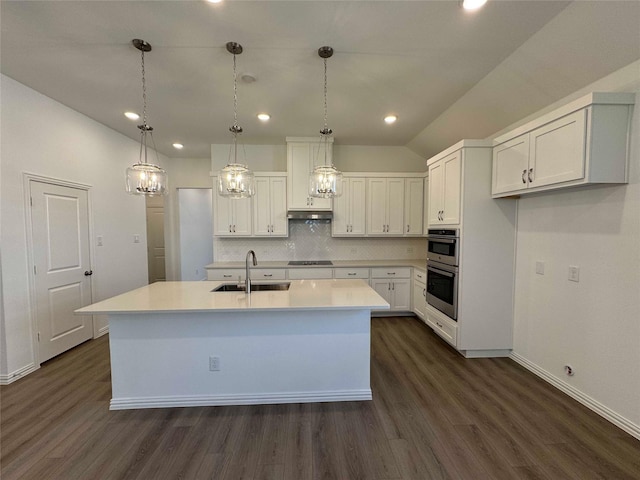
(27, 178)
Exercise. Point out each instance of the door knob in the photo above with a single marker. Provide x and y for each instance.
(88, 273)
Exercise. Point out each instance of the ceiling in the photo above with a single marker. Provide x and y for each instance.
(421, 60)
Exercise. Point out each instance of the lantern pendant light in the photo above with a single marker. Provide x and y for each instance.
(235, 180)
(325, 181)
(145, 178)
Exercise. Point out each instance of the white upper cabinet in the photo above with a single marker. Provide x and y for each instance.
(349, 219)
(425, 207)
(445, 178)
(581, 143)
(270, 207)
(231, 216)
(303, 153)
(385, 206)
(413, 206)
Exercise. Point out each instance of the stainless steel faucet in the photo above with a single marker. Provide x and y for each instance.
(247, 273)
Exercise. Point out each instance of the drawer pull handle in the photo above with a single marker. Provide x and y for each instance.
(268, 274)
(391, 273)
(350, 273)
(439, 324)
(226, 276)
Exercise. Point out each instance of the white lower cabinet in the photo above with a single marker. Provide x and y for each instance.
(442, 325)
(226, 275)
(361, 273)
(394, 285)
(419, 298)
(310, 273)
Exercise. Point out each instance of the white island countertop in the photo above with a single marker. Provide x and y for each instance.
(175, 297)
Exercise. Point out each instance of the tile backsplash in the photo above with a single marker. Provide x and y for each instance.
(312, 240)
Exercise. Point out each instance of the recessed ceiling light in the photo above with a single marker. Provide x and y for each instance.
(264, 116)
(178, 146)
(214, 1)
(473, 4)
(389, 119)
(131, 115)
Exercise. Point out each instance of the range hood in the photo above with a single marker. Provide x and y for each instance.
(309, 215)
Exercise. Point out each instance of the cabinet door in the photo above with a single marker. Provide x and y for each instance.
(557, 151)
(261, 208)
(436, 184)
(340, 222)
(383, 288)
(241, 216)
(401, 291)
(357, 206)
(395, 206)
(425, 209)
(452, 189)
(278, 206)
(298, 155)
(222, 221)
(413, 203)
(510, 165)
(376, 206)
(418, 300)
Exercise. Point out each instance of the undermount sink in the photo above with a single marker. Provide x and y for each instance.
(255, 287)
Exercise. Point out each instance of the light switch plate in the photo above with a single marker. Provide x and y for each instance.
(540, 268)
(574, 273)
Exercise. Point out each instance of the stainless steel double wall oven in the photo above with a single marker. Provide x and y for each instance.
(443, 252)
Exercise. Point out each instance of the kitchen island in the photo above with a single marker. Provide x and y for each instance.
(178, 344)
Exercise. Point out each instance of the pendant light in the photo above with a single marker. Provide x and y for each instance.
(145, 178)
(235, 180)
(325, 181)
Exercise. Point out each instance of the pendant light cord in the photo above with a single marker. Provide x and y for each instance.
(144, 95)
(325, 130)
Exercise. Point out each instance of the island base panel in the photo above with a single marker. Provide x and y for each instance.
(162, 360)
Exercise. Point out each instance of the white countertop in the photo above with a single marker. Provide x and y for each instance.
(172, 297)
(417, 263)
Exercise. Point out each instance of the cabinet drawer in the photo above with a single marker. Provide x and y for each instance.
(310, 273)
(267, 274)
(351, 273)
(226, 275)
(419, 275)
(443, 328)
(391, 272)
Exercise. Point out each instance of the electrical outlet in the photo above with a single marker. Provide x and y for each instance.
(540, 268)
(409, 249)
(574, 273)
(214, 364)
(99, 240)
(136, 238)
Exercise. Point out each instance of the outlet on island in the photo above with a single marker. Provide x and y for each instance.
(214, 364)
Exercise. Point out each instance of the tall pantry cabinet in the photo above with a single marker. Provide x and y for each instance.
(460, 198)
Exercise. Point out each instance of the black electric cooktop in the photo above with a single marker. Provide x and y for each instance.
(310, 262)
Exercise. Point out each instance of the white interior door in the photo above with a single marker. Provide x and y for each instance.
(60, 228)
(155, 239)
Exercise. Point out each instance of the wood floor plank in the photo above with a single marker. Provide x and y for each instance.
(434, 414)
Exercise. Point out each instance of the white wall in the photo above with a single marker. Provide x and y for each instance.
(593, 325)
(41, 136)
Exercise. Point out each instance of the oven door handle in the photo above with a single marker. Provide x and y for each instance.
(442, 240)
(442, 272)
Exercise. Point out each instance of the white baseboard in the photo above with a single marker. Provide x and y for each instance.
(6, 379)
(249, 399)
(602, 410)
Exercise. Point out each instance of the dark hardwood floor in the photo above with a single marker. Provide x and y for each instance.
(434, 415)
